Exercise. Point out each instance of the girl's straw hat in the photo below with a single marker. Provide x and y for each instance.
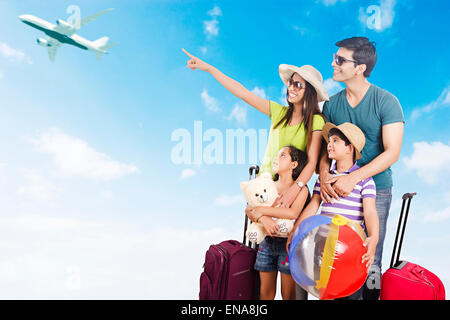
(309, 73)
(351, 131)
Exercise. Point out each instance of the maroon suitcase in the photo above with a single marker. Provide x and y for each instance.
(228, 272)
(405, 280)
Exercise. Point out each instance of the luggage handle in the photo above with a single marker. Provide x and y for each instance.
(254, 169)
(399, 266)
(395, 259)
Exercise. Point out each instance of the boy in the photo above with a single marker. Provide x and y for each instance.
(344, 145)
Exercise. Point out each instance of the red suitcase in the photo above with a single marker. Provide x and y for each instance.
(405, 280)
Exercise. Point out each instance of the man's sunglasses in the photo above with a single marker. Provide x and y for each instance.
(340, 60)
(296, 84)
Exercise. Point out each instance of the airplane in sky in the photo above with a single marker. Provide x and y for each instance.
(64, 32)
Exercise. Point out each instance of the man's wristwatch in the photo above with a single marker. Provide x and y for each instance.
(300, 184)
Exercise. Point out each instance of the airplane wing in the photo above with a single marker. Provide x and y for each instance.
(53, 47)
(85, 21)
(69, 29)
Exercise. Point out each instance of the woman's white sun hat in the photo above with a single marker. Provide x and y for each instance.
(307, 72)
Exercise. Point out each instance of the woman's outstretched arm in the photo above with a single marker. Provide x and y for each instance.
(231, 85)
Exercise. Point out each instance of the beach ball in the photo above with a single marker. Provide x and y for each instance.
(325, 256)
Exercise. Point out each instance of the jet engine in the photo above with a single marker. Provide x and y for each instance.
(43, 42)
(64, 24)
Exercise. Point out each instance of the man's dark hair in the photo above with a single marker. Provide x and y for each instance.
(364, 52)
(337, 132)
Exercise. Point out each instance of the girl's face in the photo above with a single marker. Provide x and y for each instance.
(283, 162)
(295, 94)
(337, 149)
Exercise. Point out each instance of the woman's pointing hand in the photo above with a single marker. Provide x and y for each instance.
(196, 63)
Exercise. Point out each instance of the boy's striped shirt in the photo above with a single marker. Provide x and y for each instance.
(351, 206)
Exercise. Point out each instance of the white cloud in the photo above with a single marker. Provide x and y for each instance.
(447, 197)
(239, 114)
(2, 174)
(447, 97)
(215, 12)
(443, 101)
(429, 160)
(301, 30)
(46, 257)
(74, 157)
(34, 222)
(14, 54)
(282, 98)
(378, 17)
(226, 200)
(332, 86)
(187, 173)
(107, 194)
(38, 187)
(211, 27)
(438, 216)
(330, 2)
(210, 103)
(259, 92)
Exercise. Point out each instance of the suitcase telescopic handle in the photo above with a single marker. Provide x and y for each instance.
(252, 168)
(253, 172)
(407, 197)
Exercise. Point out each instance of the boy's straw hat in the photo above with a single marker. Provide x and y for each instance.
(351, 131)
(309, 73)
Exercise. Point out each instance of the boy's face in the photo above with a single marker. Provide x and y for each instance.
(337, 149)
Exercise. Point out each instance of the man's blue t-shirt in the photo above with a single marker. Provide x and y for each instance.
(377, 108)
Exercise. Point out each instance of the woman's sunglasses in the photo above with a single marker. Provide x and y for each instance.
(340, 60)
(296, 84)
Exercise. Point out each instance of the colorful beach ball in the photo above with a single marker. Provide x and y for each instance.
(325, 256)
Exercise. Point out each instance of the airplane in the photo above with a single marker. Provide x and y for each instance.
(64, 32)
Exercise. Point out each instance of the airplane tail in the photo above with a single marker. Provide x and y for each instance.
(101, 42)
(102, 46)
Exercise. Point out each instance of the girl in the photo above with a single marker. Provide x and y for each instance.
(300, 124)
(272, 256)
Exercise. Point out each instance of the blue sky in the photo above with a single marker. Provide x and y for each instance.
(93, 205)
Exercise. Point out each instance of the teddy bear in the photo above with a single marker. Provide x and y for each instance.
(262, 191)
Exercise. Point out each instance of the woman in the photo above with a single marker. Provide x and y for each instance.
(300, 124)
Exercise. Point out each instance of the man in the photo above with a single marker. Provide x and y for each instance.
(379, 115)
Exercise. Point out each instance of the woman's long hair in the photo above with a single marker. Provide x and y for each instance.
(311, 107)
